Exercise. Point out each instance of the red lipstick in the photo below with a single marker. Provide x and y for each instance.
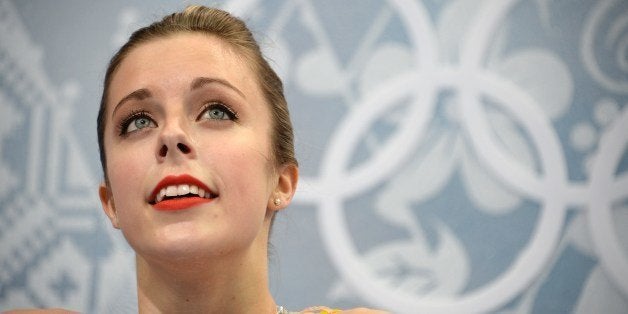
(180, 202)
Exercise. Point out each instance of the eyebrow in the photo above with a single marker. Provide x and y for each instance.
(198, 82)
(202, 81)
(139, 94)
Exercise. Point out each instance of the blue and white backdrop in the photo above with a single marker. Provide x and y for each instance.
(456, 156)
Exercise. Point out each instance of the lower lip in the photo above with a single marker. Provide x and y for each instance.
(181, 203)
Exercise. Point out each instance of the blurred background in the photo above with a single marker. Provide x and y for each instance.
(456, 156)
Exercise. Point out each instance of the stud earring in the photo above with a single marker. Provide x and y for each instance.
(277, 202)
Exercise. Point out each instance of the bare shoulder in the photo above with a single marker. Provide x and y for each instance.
(327, 310)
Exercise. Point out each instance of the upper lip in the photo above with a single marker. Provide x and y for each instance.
(177, 180)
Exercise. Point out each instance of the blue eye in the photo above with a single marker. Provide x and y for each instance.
(217, 111)
(136, 122)
(139, 123)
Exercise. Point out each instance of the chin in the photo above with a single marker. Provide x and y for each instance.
(177, 244)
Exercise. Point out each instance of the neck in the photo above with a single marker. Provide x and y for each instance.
(233, 284)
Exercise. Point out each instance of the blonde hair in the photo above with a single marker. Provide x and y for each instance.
(232, 30)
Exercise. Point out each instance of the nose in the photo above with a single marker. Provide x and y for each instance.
(174, 143)
(183, 148)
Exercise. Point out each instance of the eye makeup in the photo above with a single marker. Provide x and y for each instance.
(217, 111)
(133, 118)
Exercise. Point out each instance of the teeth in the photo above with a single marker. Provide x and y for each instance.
(172, 190)
(161, 195)
(182, 189)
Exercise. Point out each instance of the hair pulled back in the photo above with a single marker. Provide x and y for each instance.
(211, 21)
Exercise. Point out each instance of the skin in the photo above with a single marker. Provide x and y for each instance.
(210, 258)
(217, 247)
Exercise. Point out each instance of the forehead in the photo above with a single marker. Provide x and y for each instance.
(171, 63)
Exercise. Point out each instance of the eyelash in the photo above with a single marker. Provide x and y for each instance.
(233, 116)
(124, 124)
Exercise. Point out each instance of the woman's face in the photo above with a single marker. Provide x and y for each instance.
(185, 114)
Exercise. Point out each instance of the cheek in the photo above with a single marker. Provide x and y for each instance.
(244, 169)
(126, 173)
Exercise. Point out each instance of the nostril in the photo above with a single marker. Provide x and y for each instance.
(183, 148)
(163, 151)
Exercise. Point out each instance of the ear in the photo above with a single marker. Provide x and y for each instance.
(108, 206)
(285, 188)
